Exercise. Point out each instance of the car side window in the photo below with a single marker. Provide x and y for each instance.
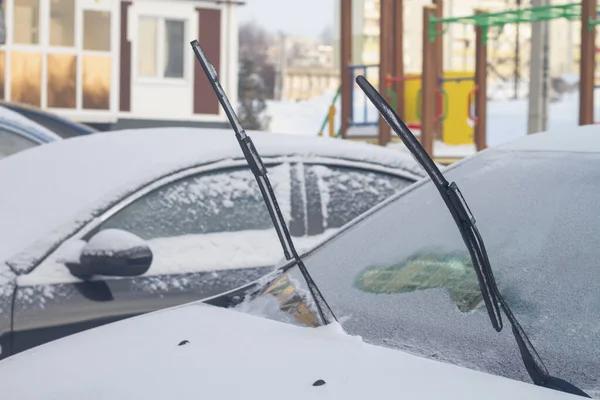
(213, 221)
(221, 201)
(345, 192)
(11, 143)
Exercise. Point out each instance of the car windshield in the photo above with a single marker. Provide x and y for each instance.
(401, 277)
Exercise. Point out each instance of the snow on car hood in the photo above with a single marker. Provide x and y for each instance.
(199, 351)
(50, 191)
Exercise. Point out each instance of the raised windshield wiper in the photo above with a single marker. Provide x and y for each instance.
(470, 234)
(260, 173)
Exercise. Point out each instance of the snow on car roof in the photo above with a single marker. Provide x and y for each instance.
(50, 191)
(200, 351)
(584, 139)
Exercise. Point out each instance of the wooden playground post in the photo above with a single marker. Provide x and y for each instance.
(587, 62)
(345, 62)
(439, 63)
(428, 84)
(398, 85)
(386, 61)
(480, 85)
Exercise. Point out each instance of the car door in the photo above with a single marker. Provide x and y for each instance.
(339, 192)
(209, 233)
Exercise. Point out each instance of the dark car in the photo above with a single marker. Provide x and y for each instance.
(400, 275)
(18, 133)
(63, 127)
(106, 226)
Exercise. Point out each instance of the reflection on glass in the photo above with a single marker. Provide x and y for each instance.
(62, 23)
(26, 77)
(96, 82)
(62, 78)
(426, 270)
(26, 21)
(173, 57)
(96, 30)
(2, 74)
(147, 50)
(294, 301)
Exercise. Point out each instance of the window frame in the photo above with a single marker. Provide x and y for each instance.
(160, 50)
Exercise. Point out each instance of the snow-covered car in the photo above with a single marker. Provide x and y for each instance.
(106, 226)
(18, 133)
(410, 318)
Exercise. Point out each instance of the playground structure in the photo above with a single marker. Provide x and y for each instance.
(448, 106)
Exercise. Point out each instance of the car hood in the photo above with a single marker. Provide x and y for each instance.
(201, 351)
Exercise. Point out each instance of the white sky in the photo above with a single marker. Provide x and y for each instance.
(296, 17)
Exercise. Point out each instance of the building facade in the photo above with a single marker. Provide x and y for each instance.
(304, 68)
(119, 63)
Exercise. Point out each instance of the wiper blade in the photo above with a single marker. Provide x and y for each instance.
(471, 237)
(260, 173)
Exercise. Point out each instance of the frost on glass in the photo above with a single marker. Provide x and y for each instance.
(223, 201)
(402, 277)
(345, 193)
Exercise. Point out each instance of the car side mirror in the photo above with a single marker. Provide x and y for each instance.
(112, 252)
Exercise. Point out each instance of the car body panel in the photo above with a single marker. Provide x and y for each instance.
(200, 351)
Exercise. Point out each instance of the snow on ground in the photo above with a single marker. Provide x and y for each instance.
(507, 118)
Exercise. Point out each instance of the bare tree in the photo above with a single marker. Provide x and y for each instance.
(326, 36)
(254, 45)
(254, 42)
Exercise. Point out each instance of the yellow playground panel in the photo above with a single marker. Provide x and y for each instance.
(456, 95)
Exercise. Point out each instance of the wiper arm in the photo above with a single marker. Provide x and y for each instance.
(260, 173)
(470, 234)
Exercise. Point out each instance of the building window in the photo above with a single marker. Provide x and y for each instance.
(173, 54)
(26, 22)
(26, 77)
(62, 23)
(161, 48)
(96, 82)
(96, 30)
(62, 80)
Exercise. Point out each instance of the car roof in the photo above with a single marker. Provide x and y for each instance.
(51, 190)
(201, 351)
(26, 127)
(580, 139)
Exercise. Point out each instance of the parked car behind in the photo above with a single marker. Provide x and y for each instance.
(180, 201)
(63, 127)
(18, 133)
